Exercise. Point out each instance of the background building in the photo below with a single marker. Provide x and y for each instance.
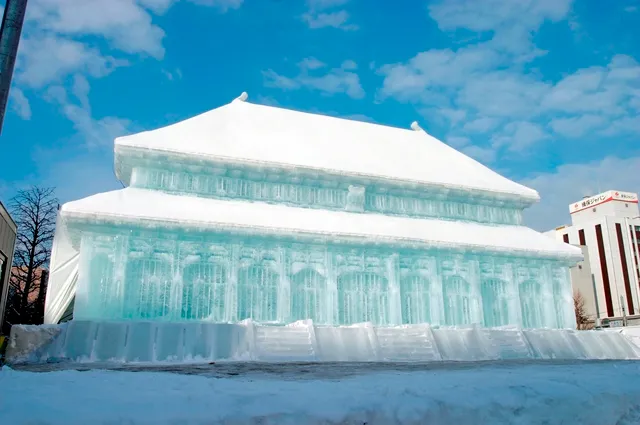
(8, 231)
(608, 224)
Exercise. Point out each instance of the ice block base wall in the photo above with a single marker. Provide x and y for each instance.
(148, 342)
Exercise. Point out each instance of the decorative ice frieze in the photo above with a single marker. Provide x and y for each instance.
(355, 198)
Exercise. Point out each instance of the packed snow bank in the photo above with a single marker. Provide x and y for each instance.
(588, 393)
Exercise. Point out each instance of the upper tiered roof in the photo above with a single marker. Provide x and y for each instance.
(267, 136)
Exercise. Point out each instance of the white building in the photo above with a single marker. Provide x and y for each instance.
(609, 225)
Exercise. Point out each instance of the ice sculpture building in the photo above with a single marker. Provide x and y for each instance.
(252, 211)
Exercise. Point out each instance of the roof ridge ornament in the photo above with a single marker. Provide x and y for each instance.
(415, 126)
(242, 97)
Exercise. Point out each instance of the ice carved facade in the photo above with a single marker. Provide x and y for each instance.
(220, 225)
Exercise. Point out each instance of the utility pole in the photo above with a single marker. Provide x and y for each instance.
(12, 20)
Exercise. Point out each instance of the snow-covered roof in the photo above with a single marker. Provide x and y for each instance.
(153, 207)
(246, 133)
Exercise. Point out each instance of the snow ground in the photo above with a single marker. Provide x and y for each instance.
(583, 393)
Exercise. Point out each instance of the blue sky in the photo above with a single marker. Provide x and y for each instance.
(546, 92)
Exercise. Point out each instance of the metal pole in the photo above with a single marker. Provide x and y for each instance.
(595, 295)
(624, 312)
(12, 20)
(631, 257)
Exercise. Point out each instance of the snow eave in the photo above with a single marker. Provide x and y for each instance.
(131, 207)
(123, 169)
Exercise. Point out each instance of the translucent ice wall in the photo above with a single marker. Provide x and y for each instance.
(162, 275)
(151, 342)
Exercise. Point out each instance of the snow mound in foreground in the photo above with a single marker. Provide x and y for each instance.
(588, 393)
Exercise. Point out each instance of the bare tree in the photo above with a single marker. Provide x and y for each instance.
(35, 211)
(582, 319)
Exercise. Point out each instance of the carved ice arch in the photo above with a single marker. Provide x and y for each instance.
(148, 285)
(563, 297)
(416, 288)
(99, 277)
(495, 302)
(204, 286)
(530, 305)
(457, 297)
(308, 295)
(258, 293)
(363, 296)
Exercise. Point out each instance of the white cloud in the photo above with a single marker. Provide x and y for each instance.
(481, 125)
(437, 69)
(172, 76)
(124, 23)
(62, 38)
(577, 126)
(311, 63)
(496, 15)
(49, 58)
(273, 79)
(483, 155)
(92, 132)
(81, 89)
(222, 5)
(329, 81)
(519, 135)
(502, 94)
(332, 19)
(486, 82)
(454, 116)
(623, 126)
(20, 103)
(322, 14)
(458, 142)
(325, 4)
(570, 182)
(157, 6)
(65, 45)
(349, 65)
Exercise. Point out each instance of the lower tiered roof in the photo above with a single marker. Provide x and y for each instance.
(146, 207)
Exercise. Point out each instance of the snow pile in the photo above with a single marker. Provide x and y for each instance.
(588, 393)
